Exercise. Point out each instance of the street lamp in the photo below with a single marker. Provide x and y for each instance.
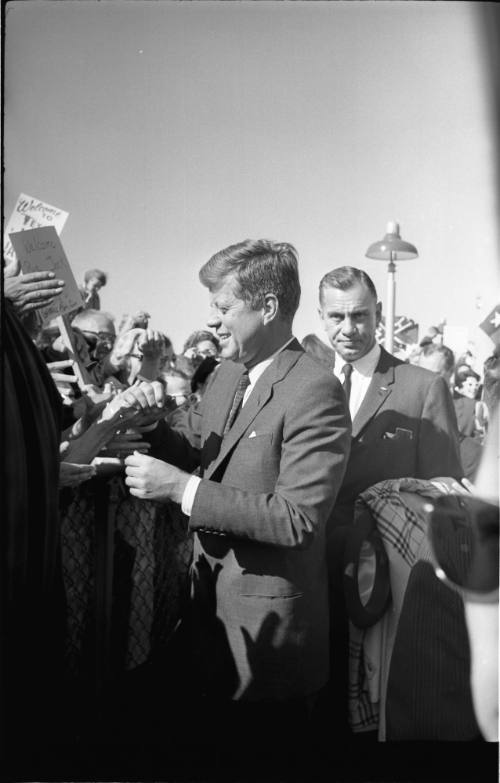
(391, 248)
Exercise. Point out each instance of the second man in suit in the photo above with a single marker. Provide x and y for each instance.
(403, 425)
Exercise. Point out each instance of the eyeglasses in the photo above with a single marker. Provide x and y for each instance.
(463, 534)
(108, 336)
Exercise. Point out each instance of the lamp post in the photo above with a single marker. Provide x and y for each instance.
(391, 248)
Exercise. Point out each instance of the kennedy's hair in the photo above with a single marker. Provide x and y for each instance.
(259, 267)
(344, 277)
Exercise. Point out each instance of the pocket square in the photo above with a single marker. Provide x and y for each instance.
(253, 434)
(400, 434)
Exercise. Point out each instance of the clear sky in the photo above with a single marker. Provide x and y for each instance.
(168, 130)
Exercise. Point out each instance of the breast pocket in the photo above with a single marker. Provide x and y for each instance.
(254, 463)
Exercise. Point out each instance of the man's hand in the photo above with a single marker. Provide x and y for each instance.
(139, 320)
(124, 444)
(32, 290)
(153, 479)
(123, 347)
(70, 475)
(151, 344)
(146, 399)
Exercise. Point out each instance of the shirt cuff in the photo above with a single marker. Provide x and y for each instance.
(189, 495)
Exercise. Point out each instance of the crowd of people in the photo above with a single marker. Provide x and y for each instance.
(272, 450)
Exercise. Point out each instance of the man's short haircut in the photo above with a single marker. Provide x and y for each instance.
(345, 277)
(448, 357)
(260, 267)
(98, 273)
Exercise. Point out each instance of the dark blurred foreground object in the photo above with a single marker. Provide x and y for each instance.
(463, 532)
(33, 605)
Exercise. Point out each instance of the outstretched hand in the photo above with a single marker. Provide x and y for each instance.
(144, 402)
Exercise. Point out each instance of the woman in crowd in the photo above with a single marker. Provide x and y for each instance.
(199, 345)
(469, 410)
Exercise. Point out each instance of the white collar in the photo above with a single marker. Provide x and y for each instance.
(364, 366)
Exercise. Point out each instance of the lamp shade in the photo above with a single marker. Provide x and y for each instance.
(392, 247)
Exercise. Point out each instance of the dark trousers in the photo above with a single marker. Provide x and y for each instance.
(330, 715)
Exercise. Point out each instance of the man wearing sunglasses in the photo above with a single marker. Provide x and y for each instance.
(98, 329)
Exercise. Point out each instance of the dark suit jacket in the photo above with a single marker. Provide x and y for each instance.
(406, 426)
(259, 516)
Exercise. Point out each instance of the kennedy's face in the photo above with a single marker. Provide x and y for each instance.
(350, 319)
(240, 329)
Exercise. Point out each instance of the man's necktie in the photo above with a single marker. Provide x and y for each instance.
(346, 372)
(238, 399)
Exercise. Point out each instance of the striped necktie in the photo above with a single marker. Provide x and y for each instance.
(347, 372)
(238, 399)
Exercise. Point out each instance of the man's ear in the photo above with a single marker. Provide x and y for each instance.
(378, 312)
(320, 313)
(270, 308)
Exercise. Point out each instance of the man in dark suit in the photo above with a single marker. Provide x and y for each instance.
(403, 421)
(403, 425)
(269, 441)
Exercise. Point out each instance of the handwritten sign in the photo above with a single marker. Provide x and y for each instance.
(40, 250)
(30, 213)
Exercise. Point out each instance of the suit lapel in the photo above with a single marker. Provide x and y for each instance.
(377, 392)
(259, 396)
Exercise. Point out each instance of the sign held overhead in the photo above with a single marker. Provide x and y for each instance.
(29, 213)
(40, 250)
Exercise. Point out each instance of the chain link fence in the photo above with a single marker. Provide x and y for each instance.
(146, 563)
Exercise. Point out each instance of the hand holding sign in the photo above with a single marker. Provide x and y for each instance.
(30, 291)
(39, 251)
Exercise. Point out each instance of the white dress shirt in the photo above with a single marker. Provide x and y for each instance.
(253, 376)
(362, 373)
